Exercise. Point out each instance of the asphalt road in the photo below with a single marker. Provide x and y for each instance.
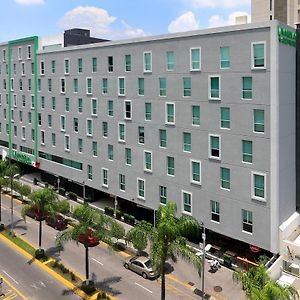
(106, 266)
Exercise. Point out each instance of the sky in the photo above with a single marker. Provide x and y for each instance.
(115, 19)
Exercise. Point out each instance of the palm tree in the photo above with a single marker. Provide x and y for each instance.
(90, 228)
(167, 240)
(43, 203)
(3, 168)
(258, 285)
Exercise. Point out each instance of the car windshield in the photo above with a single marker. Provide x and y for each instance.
(148, 263)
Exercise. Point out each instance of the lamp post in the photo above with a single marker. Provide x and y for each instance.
(83, 190)
(203, 260)
(12, 201)
(115, 207)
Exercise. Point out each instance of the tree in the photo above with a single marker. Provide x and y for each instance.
(91, 225)
(167, 240)
(258, 285)
(25, 191)
(3, 167)
(42, 203)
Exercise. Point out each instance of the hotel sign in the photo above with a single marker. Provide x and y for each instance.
(23, 158)
(286, 36)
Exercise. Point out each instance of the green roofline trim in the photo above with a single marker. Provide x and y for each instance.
(35, 41)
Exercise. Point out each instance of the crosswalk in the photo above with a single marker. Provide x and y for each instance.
(9, 295)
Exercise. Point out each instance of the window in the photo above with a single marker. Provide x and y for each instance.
(75, 124)
(214, 87)
(214, 146)
(20, 53)
(23, 133)
(195, 171)
(42, 137)
(49, 121)
(53, 103)
(110, 149)
(67, 66)
(90, 172)
(105, 177)
(141, 188)
(258, 53)
(22, 68)
(67, 104)
(53, 139)
(127, 63)
(162, 86)
(259, 120)
(258, 186)
(170, 60)
(21, 115)
(195, 115)
(23, 100)
(187, 202)
(187, 87)
(95, 148)
(147, 61)
(32, 134)
(247, 221)
(121, 86)
(225, 117)
(247, 88)
(121, 132)
(29, 117)
(148, 161)
(225, 178)
(29, 51)
(141, 134)
(148, 111)
(162, 138)
(128, 156)
(89, 127)
(94, 64)
(15, 102)
(67, 142)
(162, 194)
(110, 108)
(170, 113)
(62, 85)
(110, 64)
(104, 86)
(215, 211)
(53, 67)
(49, 85)
(75, 85)
(62, 123)
(32, 68)
(122, 183)
(127, 109)
(104, 129)
(94, 106)
(224, 57)
(79, 65)
(187, 142)
(170, 165)
(42, 67)
(89, 88)
(80, 105)
(4, 55)
(141, 86)
(195, 59)
(247, 151)
(80, 145)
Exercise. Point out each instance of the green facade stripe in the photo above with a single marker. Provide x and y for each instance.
(9, 101)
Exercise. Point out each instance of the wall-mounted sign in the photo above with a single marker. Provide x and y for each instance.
(286, 36)
(23, 158)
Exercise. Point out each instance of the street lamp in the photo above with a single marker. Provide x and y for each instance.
(12, 201)
(115, 208)
(83, 190)
(202, 252)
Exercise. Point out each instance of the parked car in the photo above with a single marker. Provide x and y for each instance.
(92, 241)
(140, 265)
(58, 222)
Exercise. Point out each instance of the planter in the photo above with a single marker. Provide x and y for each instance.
(119, 214)
(61, 191)
(227, 260)
(88, 288)
(129, 219)
(40, 254)
(72, 196)
(109, 211)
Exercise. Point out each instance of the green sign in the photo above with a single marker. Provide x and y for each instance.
(23, 158)
(286, 36)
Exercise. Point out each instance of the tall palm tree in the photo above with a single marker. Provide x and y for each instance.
(258, 285)
(167, 240)
(91, 226)
(42, 203)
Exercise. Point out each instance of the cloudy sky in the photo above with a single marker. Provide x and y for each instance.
(115, 19)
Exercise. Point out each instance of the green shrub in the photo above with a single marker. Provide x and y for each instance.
(109, 210)
(88, 199)
(129, 219)
(227, 259)
(119, 214)
(61, 191)
(72, 196)
(63, 206)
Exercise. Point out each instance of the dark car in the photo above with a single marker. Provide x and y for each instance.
(58, 222)
(140, 265)
(92, 239)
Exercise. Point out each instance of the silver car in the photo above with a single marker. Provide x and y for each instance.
(140, 265)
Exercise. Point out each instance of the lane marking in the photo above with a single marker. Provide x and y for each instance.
(97, 261)
(144, 288)
(14, 288)
(14, 280)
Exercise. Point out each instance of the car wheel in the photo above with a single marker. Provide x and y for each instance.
(126, 266)
(144, 275)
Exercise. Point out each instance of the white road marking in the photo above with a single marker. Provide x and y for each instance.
(42, 283)
(10, 277)
(143, 287)
(97, 261)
